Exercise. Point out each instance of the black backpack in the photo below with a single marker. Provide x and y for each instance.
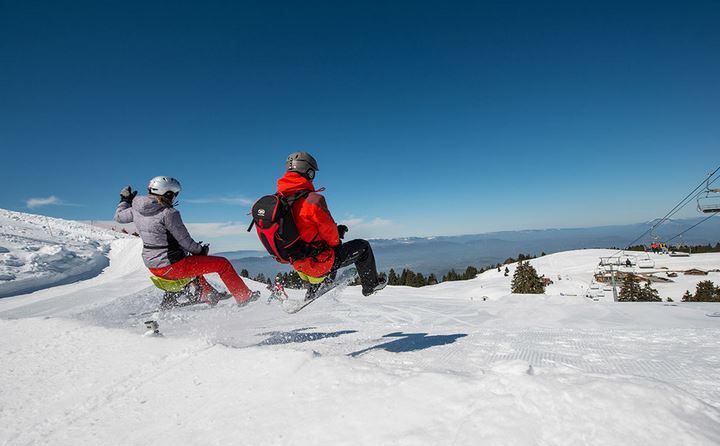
(275, 225)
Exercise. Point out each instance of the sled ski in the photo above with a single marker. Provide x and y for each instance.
(187, 303)
(343, 279)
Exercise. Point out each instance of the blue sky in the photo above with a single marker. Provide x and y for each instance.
(427, 118)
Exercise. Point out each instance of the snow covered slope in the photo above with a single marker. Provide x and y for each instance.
(37, 252)
(431, 366)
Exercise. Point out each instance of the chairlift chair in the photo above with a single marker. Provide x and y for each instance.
(680, 250)
(622, 261)
(710, 202)
(646, 261)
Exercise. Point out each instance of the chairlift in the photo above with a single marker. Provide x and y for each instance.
(680, 250)
(709, 203)
(627, 260)
(646, 262)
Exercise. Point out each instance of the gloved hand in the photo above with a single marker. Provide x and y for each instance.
(205, 249)
(127, 194)
(342, 229)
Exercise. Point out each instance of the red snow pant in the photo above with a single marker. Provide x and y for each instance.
(196, 266)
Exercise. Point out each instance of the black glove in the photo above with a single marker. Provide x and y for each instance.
(127, 194)
(204, 250)
(342, 229)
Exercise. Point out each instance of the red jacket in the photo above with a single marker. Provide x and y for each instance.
(314, 223)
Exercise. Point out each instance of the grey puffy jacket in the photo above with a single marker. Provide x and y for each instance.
(165, 238)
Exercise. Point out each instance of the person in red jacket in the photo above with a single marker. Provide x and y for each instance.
(277, 291)
(317, 227)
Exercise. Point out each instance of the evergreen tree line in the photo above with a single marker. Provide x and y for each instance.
(288, 279)
(631, 291)
(410, 278)
(520, 258)
(407, 277)
(706, 291)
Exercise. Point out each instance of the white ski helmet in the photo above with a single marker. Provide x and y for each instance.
(164, 186)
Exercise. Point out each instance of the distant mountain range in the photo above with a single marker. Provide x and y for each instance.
(440, 254)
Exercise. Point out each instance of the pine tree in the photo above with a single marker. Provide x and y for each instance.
(404, 276)
(294, 281)
(451, 276)
(260, 278)
(407, 278)
(244, 273)
(526, 280)
(706, 292)
(630, 290)
(470, 273)
(688, 297)
(649, 294)
(393, 278)
(432, 280)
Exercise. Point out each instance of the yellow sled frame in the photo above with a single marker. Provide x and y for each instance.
(171, 286)
(311, 279)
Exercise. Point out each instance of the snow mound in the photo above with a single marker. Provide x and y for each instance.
(38, 252)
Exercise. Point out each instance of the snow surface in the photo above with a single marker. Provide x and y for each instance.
(436, 365)
(37, 252)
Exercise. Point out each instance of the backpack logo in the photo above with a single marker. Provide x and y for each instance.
(261, 212)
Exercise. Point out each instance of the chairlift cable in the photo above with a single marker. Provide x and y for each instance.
(691, 227)
(684, 202)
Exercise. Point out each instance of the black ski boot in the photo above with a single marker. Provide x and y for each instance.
(254, 295)
(382, 283)
(216, 296)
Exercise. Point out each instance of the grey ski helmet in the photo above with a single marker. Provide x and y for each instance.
(164, 186)
(302, 163)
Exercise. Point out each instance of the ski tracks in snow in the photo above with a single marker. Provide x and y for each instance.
(683, 357)
(118, 379)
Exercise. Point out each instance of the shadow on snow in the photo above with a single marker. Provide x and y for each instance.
(409, 342)
(299, 335)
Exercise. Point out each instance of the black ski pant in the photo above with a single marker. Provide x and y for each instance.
(360, 253)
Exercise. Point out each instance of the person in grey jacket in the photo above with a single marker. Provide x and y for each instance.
(167, 242)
